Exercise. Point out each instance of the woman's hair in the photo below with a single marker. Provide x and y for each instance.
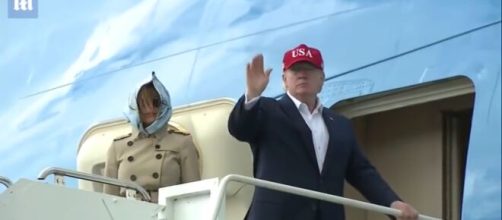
(148, 93)
(150, 97)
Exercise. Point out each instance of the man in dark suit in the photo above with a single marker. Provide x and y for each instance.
(296, 141)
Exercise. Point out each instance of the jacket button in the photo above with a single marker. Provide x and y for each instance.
(155, 175)
(158, 156)
(133, 177)
(157, 146)
(130, 143)
(130, 158)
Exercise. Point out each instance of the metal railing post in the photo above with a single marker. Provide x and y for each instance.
(5, 181)
(301, 192)
(91, 177)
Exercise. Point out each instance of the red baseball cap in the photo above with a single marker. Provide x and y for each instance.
(302, 53)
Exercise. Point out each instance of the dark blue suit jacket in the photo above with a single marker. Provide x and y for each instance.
(283, 152)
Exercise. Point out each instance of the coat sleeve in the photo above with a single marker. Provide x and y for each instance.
(111, 170)
(244, 124)
(189, 161)
(364, 177)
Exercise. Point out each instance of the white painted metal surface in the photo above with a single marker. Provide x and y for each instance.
(188, 201)
(192, 201)
(28, 200)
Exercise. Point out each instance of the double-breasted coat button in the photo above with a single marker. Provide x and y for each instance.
(133, 177)
(130, 158)
(157, 146)
(158, 156)
(155, 175)
(130, 143)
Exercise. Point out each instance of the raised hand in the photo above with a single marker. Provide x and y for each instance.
(256, 77)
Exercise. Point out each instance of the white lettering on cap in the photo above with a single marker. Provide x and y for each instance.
(300, 52)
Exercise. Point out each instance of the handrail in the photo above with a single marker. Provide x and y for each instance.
(301, 192)
(96, 178)
(5, 181)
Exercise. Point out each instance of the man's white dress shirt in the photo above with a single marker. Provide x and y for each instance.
(314, 120)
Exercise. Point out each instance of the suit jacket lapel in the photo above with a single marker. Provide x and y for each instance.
(303, 129)
(330, 125)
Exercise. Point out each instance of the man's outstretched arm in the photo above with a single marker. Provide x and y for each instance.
(244, 120)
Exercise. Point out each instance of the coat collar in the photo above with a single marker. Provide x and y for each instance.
(298, 103)
(292, 112)
(330, 125)
(159, 134)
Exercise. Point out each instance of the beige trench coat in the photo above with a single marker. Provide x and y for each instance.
(166, 158)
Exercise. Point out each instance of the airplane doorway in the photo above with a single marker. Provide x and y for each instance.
(417, 138)
(456, 128)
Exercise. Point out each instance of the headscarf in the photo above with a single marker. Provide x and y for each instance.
(165, 109)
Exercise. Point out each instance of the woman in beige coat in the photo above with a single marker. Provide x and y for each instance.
(155, 154)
